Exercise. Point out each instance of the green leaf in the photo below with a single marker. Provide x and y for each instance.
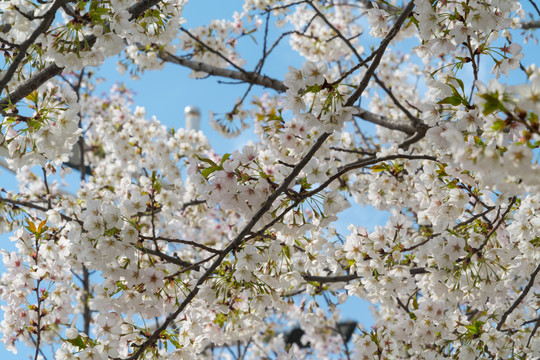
(286, 251)
(492, 103)
(460, 82)
(175, 343)
(206, 172)
(452, 100)
(414, 21)
(475, 328)
(206, 160)
(31, 227)
(379, 167)
(224, 158)
(533, 118)
(498, 125)
(415, 303)
(42, 227)
(314, 89)
(78, 342)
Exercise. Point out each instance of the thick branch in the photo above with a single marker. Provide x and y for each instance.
(251, 77)
(168, 258)
(140, 7)
(30, 85)
(350, 277)
(384, 121)
(535, 24)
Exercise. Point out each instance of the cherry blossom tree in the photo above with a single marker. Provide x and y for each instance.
(171, 250)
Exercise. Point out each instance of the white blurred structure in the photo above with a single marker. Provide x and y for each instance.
(193, 118)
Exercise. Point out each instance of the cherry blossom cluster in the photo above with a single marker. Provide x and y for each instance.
(47, 133)
(171, 250)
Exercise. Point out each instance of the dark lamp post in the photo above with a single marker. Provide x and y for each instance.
(344, 328)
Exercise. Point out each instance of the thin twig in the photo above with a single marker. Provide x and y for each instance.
(186, 242)
(209, 48)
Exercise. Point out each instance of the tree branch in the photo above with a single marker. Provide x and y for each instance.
(47, 21)
(251, 77)
(185, 242)
(363, 163)
(163, 256)
(535, 24)
(380, 52)
(30, 205)
(53, 70)
(520, 297)
(384, 121)
(350, 277)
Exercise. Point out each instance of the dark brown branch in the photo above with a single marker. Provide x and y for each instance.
(163, 256)
(350, 277)
(402, 305)
(331, 279)
(351, 151)
(191, 203)
(179, 241)
(419, 244)
(87, 317)
(535, 24)
(533, 331)
(382, 5)
(140, 7)
(30, 205)
(353, 69)
(48, 191)
(384, 121)
(535, 6)
(366, 162)
(345, 169)
(270, 9)
(419, 135)
(493, 230)
(338, 33)
(251, 77)
(268, 82)
(414, 120)
(473, 218)
(520, 297)
(29, 86)
(380, 52)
